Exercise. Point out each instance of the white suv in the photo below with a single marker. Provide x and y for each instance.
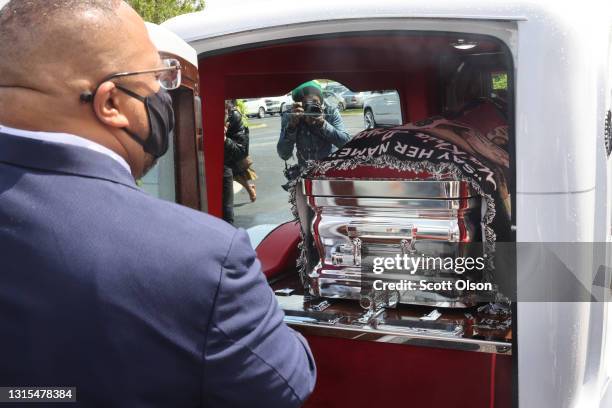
(278, 104)
(255, 107)
(382, 108)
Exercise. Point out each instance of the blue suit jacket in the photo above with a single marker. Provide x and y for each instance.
(135, 301)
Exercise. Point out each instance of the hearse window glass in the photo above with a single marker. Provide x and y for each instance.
(263, 117)
(499, 85)
(160, 180)
(404, 80)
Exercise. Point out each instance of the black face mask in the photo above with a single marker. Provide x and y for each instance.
(161, 122)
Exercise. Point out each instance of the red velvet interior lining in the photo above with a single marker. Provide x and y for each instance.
(279, 250)
(407, 63)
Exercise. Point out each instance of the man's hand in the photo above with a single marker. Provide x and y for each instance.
(296, 115)
(315, 121)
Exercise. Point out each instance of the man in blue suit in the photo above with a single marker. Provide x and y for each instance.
(134, 301)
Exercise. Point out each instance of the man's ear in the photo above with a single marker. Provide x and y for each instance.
(108, 107)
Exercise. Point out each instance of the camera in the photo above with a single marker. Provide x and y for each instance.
(313, 107)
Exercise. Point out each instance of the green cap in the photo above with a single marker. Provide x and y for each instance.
(307, 88)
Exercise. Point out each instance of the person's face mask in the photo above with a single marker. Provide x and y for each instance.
(160, 116)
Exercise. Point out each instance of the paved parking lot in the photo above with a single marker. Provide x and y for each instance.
(271, 206)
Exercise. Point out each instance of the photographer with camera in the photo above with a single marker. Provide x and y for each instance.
(313, 128)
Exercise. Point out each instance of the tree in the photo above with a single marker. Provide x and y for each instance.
(158, 11)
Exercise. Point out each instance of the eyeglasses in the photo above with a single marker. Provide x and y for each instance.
(168, 77)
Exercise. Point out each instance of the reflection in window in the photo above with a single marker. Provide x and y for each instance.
(271, 206)
(499, 81)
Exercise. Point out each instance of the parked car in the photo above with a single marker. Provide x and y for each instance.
(334, 99)
(382, 108)
(255, 107)
(355, 99)
(277, 104)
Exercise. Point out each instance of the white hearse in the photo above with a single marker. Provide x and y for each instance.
(551, 62)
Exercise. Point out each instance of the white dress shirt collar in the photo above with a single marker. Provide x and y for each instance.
(66, 138)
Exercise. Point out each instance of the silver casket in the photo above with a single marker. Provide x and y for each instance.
(347, 223)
